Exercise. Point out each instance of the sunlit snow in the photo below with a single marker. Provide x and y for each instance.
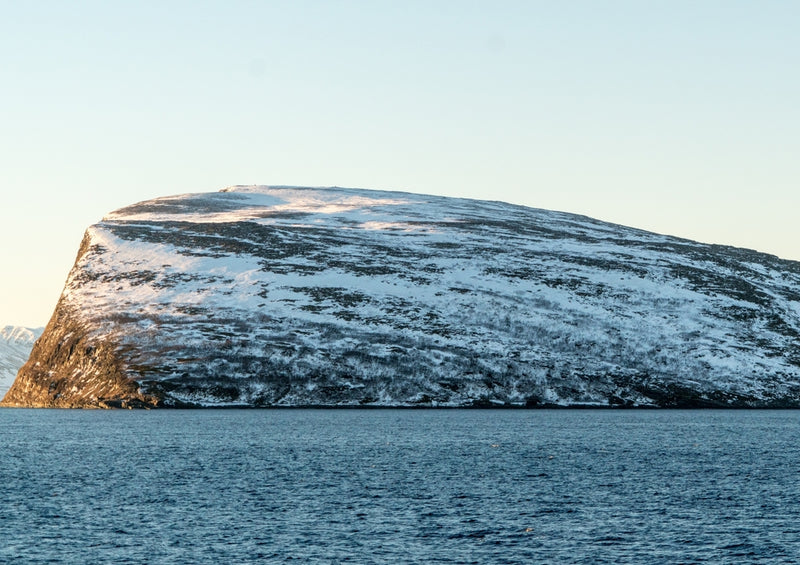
(423, 299)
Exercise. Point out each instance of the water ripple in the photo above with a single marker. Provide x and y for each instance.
(387, 486)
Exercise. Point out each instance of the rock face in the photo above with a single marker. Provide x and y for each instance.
(15, 346)
(281, 296)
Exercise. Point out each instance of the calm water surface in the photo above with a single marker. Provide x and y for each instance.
(399, 486)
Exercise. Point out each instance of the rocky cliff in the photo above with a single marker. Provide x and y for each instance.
(278, 296)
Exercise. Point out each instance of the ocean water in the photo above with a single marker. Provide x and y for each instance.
(399, 486)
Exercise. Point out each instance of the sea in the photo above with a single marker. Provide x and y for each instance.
(399, 486)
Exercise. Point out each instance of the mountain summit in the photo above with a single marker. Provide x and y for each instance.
(282, 296)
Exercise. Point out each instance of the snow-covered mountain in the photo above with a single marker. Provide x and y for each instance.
(15, 346)
(285, 296)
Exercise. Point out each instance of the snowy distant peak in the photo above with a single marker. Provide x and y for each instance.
(15, 346)
(20, 335)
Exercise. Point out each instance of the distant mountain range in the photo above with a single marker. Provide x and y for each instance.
(281, 296)
(15, 346)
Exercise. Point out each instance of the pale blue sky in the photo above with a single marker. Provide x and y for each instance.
(677, 117)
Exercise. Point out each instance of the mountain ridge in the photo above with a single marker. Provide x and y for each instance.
(290, 296)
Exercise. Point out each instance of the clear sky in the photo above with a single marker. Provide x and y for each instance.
(680, 117)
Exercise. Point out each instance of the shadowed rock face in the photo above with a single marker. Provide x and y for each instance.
(281, 296)
(68, 368)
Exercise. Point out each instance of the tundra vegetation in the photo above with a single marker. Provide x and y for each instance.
(260, 296)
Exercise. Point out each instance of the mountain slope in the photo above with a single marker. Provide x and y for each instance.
(15, 346)
(286, 296)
